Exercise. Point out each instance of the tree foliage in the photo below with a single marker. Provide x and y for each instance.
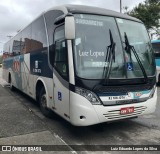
(149, 13)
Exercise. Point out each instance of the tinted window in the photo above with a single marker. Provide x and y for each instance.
(60, 57)
(39, 40)
(26, 40)
(50, 18)
(6, 51)
(138, 37)
(16, 45)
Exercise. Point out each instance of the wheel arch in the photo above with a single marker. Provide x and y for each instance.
(39, 85)
(9, 77)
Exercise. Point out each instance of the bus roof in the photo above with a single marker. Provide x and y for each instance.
(155, 41)
(92, 10)
(86, 10)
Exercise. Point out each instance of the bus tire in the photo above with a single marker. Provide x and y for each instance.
(43, 104)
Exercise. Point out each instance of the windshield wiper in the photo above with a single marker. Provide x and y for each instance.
(130, 48)
(110, 56)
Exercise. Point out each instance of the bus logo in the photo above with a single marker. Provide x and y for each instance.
(6, 148)
(138, 94)
(129, 66)
(59, 96)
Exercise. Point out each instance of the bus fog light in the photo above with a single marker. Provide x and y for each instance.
(88, 95)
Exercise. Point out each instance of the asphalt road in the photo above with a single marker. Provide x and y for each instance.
(144, 130)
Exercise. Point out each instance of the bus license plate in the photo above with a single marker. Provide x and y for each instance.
(127, 110)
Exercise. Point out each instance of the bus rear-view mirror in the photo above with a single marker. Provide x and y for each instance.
(69, 28)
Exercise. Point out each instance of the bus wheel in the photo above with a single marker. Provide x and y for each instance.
(43, 104)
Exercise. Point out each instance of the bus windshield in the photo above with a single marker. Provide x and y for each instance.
(92, 43)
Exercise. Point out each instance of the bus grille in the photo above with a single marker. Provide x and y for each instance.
(113, 115)
(123, 89)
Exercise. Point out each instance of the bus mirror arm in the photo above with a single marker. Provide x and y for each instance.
(59, 20)
(68, 19)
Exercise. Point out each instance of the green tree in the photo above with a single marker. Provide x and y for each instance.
(149, 13)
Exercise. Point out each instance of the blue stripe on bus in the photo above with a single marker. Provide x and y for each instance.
(157, 62)
(155, 41)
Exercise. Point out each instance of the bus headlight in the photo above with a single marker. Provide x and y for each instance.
(88, 95)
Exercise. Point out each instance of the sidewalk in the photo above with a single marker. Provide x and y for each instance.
(20, 126)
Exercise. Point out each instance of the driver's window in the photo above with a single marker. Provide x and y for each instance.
(60, 56)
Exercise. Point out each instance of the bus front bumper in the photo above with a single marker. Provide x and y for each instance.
(83, 113)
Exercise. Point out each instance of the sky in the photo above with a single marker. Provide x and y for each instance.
(17, 14)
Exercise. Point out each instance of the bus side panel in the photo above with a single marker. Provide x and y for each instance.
(12, 67)
(23, 77)
(40, 70)
(61, 97)
(27, 78)
(19, 69)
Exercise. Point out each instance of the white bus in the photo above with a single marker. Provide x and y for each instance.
(87, 64)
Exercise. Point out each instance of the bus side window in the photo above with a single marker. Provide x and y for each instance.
(60, 53)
